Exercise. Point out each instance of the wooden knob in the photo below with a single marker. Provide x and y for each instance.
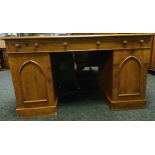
(141, 41)
(98, 43)
(36, 45)
(125, 42)
(17, 45)
(65, 44)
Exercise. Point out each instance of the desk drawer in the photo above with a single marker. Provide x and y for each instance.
(78, 44)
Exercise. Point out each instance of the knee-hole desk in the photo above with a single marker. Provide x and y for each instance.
(32, 73)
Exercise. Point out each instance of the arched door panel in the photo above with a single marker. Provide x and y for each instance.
(130, 77)
(33, 83)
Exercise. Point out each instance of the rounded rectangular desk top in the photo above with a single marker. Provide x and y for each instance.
(79, 36)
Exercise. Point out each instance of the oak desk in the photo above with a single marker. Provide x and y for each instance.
(122, 77)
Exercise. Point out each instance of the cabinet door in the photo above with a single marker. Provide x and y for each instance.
(33, 81)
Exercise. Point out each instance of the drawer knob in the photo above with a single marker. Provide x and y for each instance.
(98, 43)
(36, 45)
(18, 45)
(65, 44)
(125, 43)
(141, 41)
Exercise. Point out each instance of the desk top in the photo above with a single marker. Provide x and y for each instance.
(79, 36)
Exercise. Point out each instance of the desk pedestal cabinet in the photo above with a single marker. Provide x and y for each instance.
(122, 78)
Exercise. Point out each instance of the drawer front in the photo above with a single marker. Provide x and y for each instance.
(78, 44)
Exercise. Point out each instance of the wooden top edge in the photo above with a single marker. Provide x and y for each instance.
(78, 36)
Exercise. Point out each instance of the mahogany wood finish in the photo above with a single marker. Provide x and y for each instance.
(122, 77)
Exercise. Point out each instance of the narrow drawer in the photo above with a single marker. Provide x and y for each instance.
(79, 44)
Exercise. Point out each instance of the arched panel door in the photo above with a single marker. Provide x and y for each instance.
(33, 83)
(130, 77)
